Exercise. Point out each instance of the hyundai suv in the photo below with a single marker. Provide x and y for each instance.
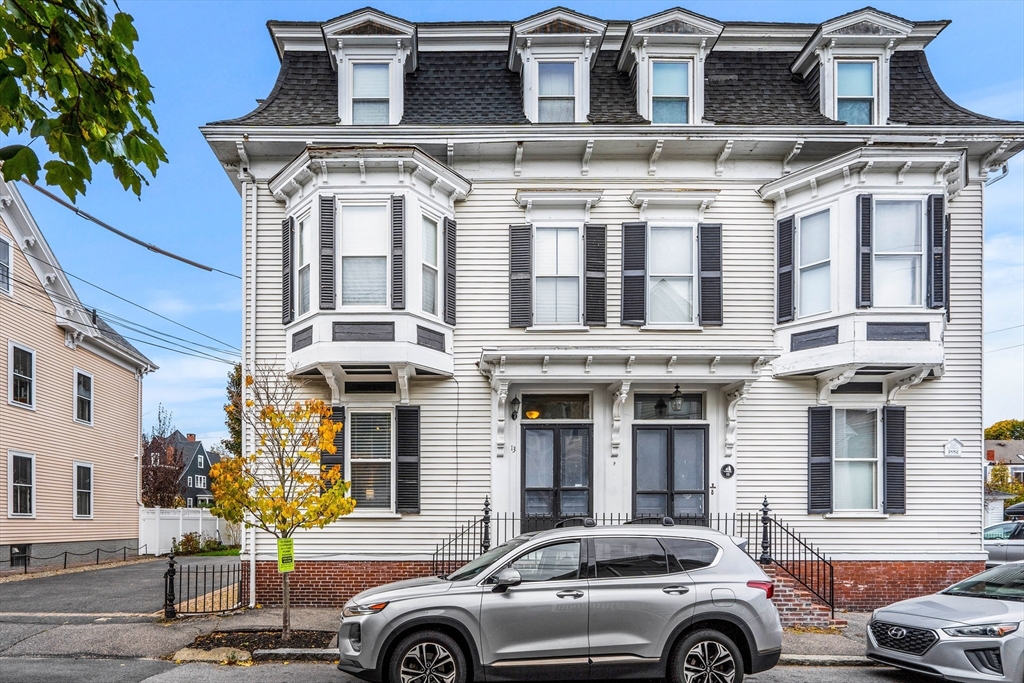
(648, 601)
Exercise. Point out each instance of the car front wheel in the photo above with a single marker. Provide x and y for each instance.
(427, 657)
(706, 656)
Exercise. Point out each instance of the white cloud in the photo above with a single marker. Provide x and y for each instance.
(170, 305)
(193, 390)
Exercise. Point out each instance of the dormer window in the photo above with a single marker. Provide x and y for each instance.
(855, 92)
(370, 100)
(556, 100)
(670, 92)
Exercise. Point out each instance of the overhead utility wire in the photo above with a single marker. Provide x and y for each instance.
(129, 301)
(1005, 329)
(136, 240)
(1005, 348)
(130, 324)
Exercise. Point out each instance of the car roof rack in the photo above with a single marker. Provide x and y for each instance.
(586, 521)
(664, 521)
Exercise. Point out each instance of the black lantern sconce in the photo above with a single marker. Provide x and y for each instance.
(676, 400)
(515, 408)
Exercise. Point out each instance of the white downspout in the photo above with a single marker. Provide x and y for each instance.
(250, 356)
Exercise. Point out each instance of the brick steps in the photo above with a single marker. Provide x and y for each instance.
(797, 606)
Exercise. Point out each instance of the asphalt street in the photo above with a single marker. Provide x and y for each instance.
(133, 588)
(158, 671)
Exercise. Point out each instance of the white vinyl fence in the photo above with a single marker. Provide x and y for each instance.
(158, 526)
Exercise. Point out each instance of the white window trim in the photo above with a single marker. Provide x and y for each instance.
(188, 503)
(581, 80)
(188, 482)
(879, 461)
(10, 484)
(201, 460)
(922, 233)
(92, 398)
(10, 268)
(312, 265)
(833, 223)
(372, 408)
(439, 268)
(694, 323)
(339, 249)
(691, 107)
(11, 345)
(75, 464)
(876, 109)
(394, 56)
(828, 78)
(577, 325)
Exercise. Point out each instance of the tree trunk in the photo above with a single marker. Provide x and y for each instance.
(286, 627)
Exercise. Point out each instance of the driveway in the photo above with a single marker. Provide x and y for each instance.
(133, 588)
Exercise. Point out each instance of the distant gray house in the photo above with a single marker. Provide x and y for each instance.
(195, 476)
(1009, 453)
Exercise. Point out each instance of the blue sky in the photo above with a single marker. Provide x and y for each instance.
(211, 60)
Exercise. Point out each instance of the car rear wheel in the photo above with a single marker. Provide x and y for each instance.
(706, 656)
(427, 657)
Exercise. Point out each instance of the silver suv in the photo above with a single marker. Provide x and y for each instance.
(644, 601)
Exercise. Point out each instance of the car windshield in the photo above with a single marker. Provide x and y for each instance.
(484, 561)
(1000, 583)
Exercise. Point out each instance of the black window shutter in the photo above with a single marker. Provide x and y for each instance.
(894, 452)
(327, 270)
(595, 285)
(520, 274)
(327, 460)
(634, 273)
(949, 299)
(709, 240)
(407, 458)
(784, 281)
(450, 254)
(819, 460)
(287, 299)
(937, 251)
(865, 220)
(397, 252)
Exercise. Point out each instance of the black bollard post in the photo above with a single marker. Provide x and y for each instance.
(169, 611)
(485, 540)
(766, 544)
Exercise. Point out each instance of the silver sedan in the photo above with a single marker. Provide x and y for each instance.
(1004, 542)
(972, 631)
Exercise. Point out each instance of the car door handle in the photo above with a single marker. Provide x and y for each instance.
(675, 590)
(570, 594)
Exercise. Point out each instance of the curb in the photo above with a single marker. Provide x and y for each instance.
(825, 660)
(296, 654)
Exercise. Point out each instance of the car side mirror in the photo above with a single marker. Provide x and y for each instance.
(505, 579)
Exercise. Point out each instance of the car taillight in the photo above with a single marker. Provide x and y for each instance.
(767, 586)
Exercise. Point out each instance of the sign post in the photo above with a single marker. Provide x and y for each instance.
(285, 555)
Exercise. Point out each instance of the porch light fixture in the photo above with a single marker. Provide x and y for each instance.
(676, 400)
(660, 408)
(515, 408)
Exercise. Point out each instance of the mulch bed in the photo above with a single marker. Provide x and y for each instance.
(262, 640)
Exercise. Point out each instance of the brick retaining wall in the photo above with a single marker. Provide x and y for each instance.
(862, 585)
(327, 583)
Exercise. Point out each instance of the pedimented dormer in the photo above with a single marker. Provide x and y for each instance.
(849, 56)
(554, 52)
(664, 53)
(372, 52)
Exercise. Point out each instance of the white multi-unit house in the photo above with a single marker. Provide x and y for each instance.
(666, 267)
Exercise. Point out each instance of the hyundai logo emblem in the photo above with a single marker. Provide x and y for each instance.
(897, 633)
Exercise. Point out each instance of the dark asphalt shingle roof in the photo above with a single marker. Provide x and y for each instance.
(612, 93)
(916, 98)
(463, 88)
(111, 335)
(305, 94)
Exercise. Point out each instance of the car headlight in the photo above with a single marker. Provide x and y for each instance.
(983, 630)
(363, 610)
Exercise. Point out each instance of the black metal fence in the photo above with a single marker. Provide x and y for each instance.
(23, 560)
(193, 589)
(765, 537)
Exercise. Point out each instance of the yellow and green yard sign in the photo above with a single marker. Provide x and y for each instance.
(285, 555)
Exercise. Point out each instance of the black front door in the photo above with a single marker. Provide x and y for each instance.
(557, 474)
(670, 471)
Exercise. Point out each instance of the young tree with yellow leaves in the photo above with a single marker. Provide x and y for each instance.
(280, 486)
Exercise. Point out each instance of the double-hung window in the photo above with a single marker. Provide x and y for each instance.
(556, 88)
(304, 253)
(670, 266)
(371, 458)
(83, 397)
(200, 456)
(431, 260)
(83, 489)
(371, 103)
(364, 250)
(22, 475)
(670, 92)
(898, 258)
(189, 482)
(855, 92)
(557, 286)
(814, 264)
(22, 376)
(5, 266)
(855, 459)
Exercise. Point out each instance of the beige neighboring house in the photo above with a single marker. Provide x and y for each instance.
(70, 409)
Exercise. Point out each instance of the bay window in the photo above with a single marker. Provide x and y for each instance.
(855, 459)
(364, 250)
(431, 260)
(814, 270)
(556, 101)
(557, 285)
(370, 458)
(670, 92)
(670, 269)
(898, 258)
(855, 92)
(370, 98)
(303, 253)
